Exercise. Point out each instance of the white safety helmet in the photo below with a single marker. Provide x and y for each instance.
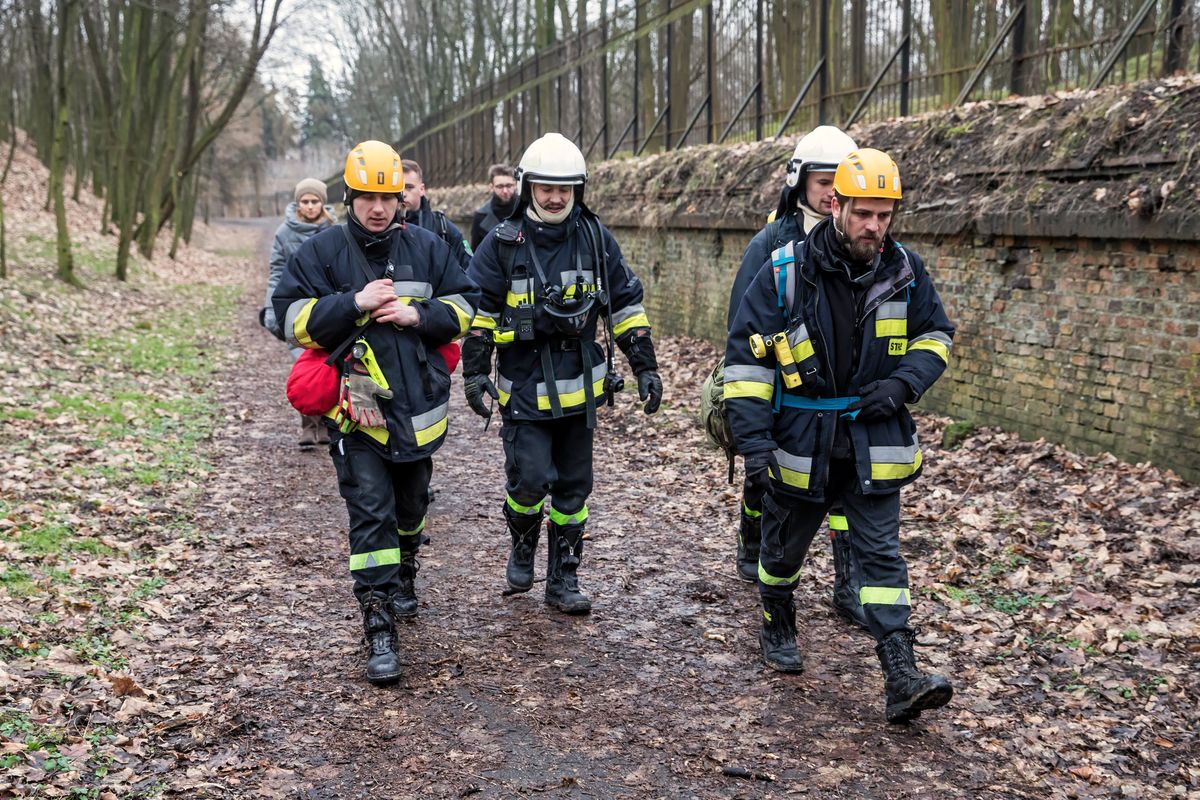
(821, 150)
(552, 159)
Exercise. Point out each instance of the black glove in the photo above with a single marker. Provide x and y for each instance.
(880, 399)
(759, 468)
(475, 386)
(650, 386)
(476, 354)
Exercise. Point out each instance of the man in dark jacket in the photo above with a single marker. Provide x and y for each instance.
(834, 337)
(548, 278)
(499, 207)
(805, 200)
(382, 296)
(417, 211)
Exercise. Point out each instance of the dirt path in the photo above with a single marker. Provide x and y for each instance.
(653, 695)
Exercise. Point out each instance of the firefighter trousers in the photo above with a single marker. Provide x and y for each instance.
(549, 457)
(789, 523)
(386, 502)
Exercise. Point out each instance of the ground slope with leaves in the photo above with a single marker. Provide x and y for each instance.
(1122, 156)
(175, 616)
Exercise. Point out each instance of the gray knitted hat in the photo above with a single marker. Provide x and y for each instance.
(310, 186)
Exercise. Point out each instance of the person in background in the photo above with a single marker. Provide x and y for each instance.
(499, 207)
(305, 215)
(417, 211)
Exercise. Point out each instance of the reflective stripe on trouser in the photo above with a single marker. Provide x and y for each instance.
(790, 522)
(386, 503)
(549, 458)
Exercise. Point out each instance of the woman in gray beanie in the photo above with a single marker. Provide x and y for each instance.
(305, 216)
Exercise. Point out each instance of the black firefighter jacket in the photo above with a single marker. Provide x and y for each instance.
(902, 332)
(315, 298)
(562, 251)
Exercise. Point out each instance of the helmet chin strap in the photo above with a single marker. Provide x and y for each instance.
(539, 214)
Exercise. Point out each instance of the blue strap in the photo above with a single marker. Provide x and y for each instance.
(817, 403)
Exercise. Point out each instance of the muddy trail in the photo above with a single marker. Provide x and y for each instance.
(659, 692)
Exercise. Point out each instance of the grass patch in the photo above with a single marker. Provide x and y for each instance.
(16, 582)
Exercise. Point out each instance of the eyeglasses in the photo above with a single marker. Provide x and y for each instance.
(504, 185)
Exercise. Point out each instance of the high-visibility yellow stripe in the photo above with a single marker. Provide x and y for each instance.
(750, 512)
(793, 478)
(512, 299)
(464, 319)
(771, 580)
(894, 472)
(568, 399)
(891, 327)
(884, 596)
(635, 321)
(934, 346)
(520, 509)
(504, 337)
(803, 350)
(414, 531)
(762, 391)
(375, 558)
(483, 322)
(300, 326)
(559, 518)
(837, 522)
(432, 433)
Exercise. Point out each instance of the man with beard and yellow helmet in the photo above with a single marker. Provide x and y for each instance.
(858, 332)
(805, 200)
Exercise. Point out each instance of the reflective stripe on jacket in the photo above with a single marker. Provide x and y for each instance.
(905, 334)
(315, 297)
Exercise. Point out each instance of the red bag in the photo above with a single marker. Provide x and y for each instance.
(451, 353)
(312, 385)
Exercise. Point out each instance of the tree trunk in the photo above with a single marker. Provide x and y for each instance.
(58, 152)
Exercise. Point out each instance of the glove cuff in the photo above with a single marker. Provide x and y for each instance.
(638, 348)
(476, 354)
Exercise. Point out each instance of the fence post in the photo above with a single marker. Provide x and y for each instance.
(667, 80)
(709, 59)
(1174, 57)
(1017, 81)
(823, 82)
(604, 79)
(758, 71)
(905, 57)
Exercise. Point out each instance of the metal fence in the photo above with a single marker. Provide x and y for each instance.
(655, 75)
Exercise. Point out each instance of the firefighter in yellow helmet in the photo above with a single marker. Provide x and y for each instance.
(381, 296)
(821, 417)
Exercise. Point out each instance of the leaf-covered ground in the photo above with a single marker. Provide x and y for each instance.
(176, 621)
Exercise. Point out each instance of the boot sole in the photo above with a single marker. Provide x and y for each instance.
(514, 588)
(909, 710)
(383, 680)
(574, 610)
(796, 670)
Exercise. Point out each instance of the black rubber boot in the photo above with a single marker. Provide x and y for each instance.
(909, 691)
(778, 636)
(404, 601)
(564, 546)
(845, 582)
(524, 529)
(383, 665)
(749, 536)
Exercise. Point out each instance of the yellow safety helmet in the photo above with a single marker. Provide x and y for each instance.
(868, 173)
(373, 166)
